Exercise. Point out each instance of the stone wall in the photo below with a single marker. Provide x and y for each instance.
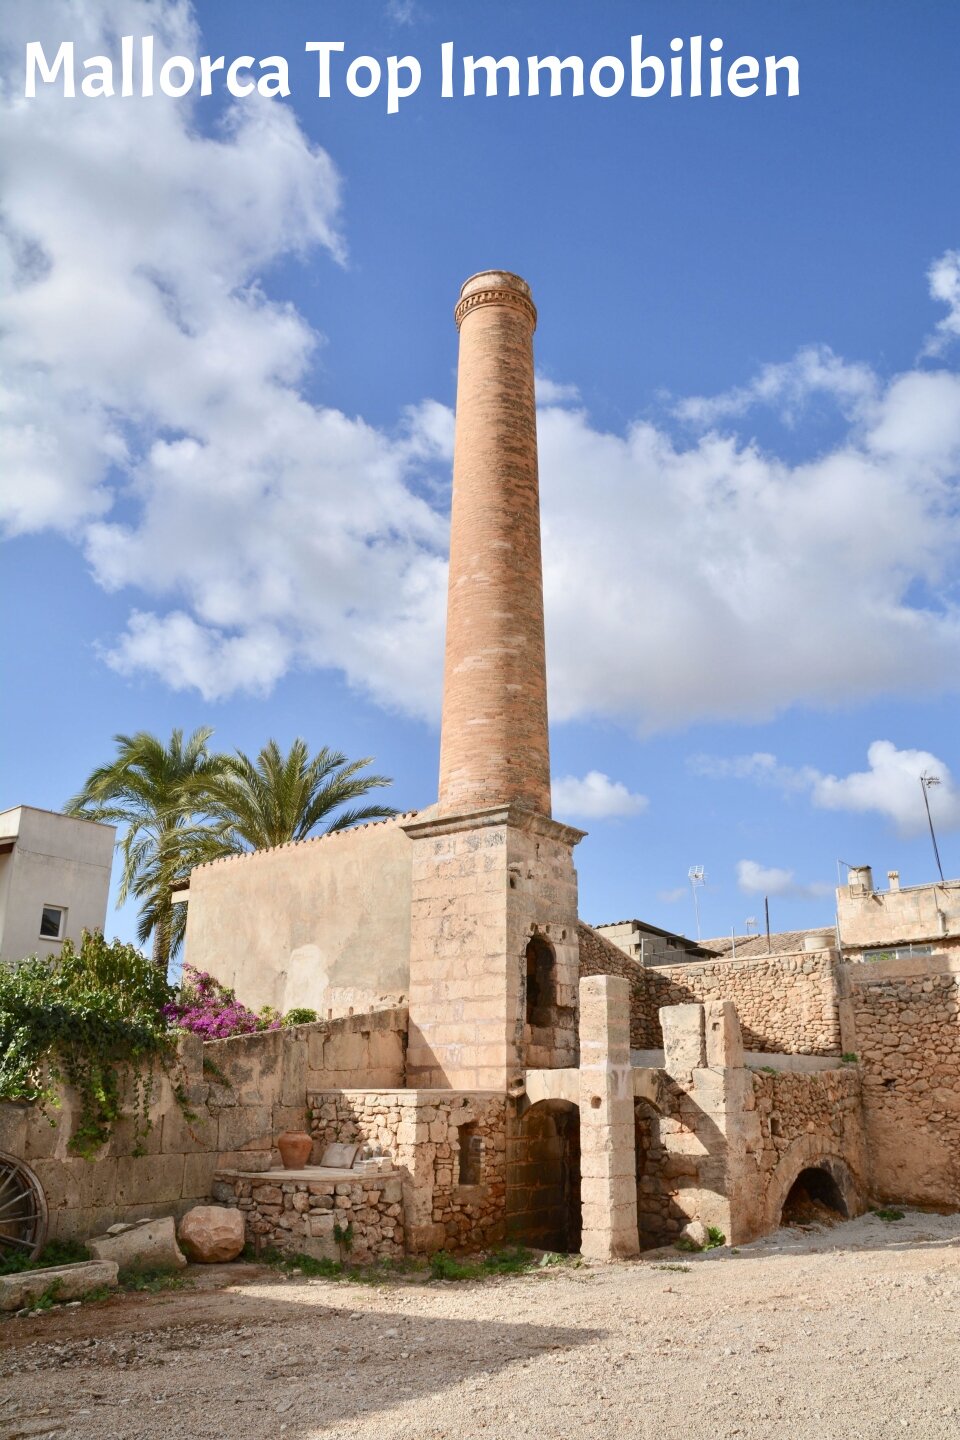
(242, 1093)
(425, 1132)
(291, 1212)
(904, 1020)
(785, 1003)
(721, 1143)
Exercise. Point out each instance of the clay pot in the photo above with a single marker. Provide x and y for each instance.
(294, 1147)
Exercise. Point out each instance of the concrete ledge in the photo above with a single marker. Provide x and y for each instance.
(72, 1282)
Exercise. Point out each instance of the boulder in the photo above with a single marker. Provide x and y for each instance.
(212, 1233)
(61, 1282)
(150, 1245)
(696, 1233)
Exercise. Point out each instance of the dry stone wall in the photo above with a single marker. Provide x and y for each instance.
(905, 1018)
(786, 1003)
(804, 1120)
(452, 1199)
(330, 1216)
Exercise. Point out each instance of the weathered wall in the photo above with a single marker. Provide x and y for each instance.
(904, 1019)
(916, 914)
(785, 1003)
(249, 1091)
(483, 885)
(299, 1215)
(720, 1143)
(323, 923)
(421, 1130)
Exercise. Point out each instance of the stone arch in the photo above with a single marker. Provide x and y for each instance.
(810, 1152)
(543, 1177)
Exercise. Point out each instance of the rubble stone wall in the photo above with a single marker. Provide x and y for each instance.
(786, 1003)
(806, 1119)
(304, 1216)
(905, 1028)
(424, 1132)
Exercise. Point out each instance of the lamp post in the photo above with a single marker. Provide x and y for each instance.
(925, 782)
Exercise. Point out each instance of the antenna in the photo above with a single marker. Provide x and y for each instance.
(926, 781)
(751, 924)
(697, 878)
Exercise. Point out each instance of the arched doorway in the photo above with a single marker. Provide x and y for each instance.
(814, 1191)
(543, 1178)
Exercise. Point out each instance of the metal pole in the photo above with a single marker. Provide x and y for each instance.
(696, 905)
(766, 911)
(925, 781)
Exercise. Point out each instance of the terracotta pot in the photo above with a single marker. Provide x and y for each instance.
(294, 1147)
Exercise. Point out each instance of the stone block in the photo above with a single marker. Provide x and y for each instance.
(149, 1245)
(198, 1173)
(724, 1041)
(71, 1282)
(179, 1136)
(684, 1041)
(149, 1179)
(13, 1127)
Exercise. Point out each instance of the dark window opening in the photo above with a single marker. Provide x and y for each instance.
(471, 1154)
(541, 983)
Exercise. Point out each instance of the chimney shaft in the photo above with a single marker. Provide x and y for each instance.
(494, 748)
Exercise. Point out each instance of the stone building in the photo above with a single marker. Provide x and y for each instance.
(515, 1073)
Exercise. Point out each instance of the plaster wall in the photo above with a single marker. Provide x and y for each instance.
(55, 860)
(324, 923)
(916, 914)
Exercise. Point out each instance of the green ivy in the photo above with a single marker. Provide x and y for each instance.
(92, 1019)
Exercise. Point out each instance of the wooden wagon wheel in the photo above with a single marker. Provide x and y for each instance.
(23, 1210)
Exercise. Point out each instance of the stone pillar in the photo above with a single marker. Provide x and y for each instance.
(494, 748)
(608, 1183)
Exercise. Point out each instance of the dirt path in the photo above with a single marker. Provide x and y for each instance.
(850, 1332)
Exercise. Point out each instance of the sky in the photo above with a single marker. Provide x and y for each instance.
(227, 373)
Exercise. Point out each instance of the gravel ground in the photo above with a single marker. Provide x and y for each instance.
(850, 1331)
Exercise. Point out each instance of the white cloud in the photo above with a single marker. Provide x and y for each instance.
(154, 406)
(552, 392)
(595, 797)
(890, 785)
(756, 879)
(787, 387)
(944, 279)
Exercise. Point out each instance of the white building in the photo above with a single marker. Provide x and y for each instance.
(54, 880)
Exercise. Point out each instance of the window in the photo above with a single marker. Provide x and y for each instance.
(471, 1154)
(52, 921)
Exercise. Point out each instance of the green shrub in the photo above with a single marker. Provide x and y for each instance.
(888, 1213)
(93, 1019)
(300, 1015)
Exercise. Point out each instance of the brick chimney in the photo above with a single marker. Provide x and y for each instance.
(494, 748)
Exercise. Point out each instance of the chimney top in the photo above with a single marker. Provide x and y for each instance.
(495, 287)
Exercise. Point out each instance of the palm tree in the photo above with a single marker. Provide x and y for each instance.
(155, 790)
(277, 798)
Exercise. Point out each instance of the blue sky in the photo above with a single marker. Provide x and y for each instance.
(229, 361)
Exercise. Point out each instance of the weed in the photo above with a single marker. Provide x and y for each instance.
(688, 1246)
(888, 1213)
(343, 1234)
(769, 1070)
(99, 1292)
(151, 1281)
(514, 1260)
(715, 1238)
(58, 1252)
(849, 1057)
(49, 1298)
(684, 1269)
